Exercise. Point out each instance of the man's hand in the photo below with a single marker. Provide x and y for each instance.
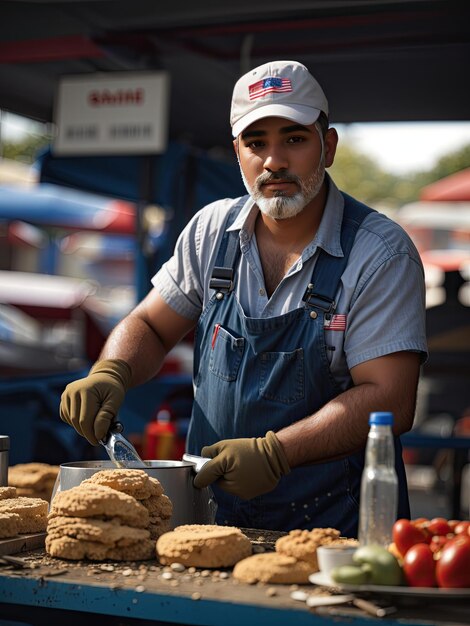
(91, 404)
(244, 467)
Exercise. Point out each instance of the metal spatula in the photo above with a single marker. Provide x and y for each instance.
(120, 450)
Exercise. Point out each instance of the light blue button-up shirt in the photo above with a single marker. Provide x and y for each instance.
(382, 290)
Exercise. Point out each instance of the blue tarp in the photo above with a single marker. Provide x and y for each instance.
(50, 205)
(181, 181)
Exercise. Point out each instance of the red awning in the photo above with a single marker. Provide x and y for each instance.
(455, 187)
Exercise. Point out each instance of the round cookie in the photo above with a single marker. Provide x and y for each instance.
(9, 525)
(272, 567)
(303, 544)
(207, 546)
(203, 528)
(136, 483)
(110, 532)
(45, 493)
(32, 474)
(7, 492)
(158, 506)
(75, 550)
(31, 511)
(99, 501)
(158, 527)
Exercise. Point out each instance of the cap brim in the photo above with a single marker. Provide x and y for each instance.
(301, 114)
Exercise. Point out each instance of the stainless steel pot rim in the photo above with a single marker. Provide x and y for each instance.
(160, 464)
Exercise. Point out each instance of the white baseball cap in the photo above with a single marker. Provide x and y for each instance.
(276, 89)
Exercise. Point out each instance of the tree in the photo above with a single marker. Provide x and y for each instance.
(358, 175)
(25, 150)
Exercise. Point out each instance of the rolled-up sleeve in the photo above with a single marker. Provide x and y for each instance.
(387, 313)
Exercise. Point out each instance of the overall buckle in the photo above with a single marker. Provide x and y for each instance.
(222, 279)
(317, 301)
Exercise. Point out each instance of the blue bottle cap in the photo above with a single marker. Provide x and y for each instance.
(381, 418)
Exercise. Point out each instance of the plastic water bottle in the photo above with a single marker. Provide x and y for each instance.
(379, 485)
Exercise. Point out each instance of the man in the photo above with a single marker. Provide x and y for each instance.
(309, 309)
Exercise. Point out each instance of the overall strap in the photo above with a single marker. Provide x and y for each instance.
(228, 253)
(320, 293)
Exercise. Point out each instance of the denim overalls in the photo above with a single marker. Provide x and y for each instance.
(252, 375)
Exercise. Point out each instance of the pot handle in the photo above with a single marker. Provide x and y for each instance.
(197, 461)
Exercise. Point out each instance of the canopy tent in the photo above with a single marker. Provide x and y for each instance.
(378, 60)
(453, 188)
(180, 181)
(49, 205)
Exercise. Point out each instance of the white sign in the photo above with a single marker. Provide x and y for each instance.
(112, 113)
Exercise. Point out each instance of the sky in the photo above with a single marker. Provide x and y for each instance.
(402, 148)
(398, 148)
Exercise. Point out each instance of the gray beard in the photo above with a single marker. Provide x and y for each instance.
(281, 206)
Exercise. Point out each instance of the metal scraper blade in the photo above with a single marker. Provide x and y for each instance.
(120, 450)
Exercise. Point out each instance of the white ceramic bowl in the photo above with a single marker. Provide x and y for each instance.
(335, 555)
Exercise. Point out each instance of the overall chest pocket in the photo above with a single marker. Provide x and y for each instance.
(282, 376)
(226, 355)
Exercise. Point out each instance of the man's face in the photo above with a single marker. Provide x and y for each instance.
(282, 165)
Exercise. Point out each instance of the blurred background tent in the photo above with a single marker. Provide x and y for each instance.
(52, 327)
(454, 188)
(378, 60)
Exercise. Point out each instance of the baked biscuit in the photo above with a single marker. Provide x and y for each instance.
(157, 527)
(272, 567)
(203, 528)
(7, 492)
(32, 474)
(303, 544)
(207, 546)
(9, 525)
(134, 482)
(99, 501)
(43, 494)
(110, 532)
(158, 506)
(33, 480)
(31, 511)
(75, 550)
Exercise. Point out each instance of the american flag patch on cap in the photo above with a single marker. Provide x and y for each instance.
(335, 322)
(269, 85)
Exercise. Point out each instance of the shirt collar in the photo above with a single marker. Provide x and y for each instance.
(328, 235)
(246, 218)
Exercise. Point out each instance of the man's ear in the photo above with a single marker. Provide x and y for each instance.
(331, 143)
(235, 146)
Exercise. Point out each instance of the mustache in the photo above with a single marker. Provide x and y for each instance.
(269, 177)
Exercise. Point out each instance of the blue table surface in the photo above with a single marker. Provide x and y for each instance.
(88, 589)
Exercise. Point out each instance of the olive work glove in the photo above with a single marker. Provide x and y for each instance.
(90, 404)
(244, 467)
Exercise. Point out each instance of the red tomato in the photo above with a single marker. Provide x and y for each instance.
(462, 528)
(405, 535)
(453, 567)
(453, 523)
(439, 526)
(438, 542)
(419, 566)
(420, 521)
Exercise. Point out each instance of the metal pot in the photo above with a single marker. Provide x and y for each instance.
(4, 452)
(190, 505)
